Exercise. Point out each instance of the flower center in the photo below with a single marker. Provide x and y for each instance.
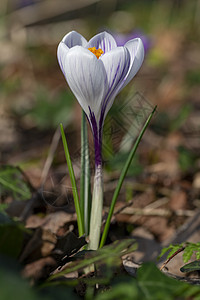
(96, 52)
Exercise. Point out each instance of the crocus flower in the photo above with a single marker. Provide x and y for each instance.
(96, 71)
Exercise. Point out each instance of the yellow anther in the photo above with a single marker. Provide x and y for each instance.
(96, 52)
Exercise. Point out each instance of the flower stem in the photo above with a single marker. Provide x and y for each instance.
(96, 211)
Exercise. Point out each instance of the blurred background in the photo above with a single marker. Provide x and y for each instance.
(34, 97)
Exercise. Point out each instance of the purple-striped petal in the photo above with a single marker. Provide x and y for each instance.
(61, 54)
(86, 77)
(116, 64)
(74, 38)
(136, 50)
(103, 40)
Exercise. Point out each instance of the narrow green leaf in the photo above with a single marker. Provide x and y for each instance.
(20, 287)
(73, 183)
(85, 186)
(198, 254)
(121, 179)
(174, 249)
(12, 181)
(108, 256)
(188, 253)
(164, 250)
(193, 266)
(154, 284)
(82, 178)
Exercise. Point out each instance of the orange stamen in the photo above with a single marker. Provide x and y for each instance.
(96, 52)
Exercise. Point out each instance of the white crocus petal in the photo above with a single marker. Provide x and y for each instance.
(116, 64)
(61, 54)
(104, 41)
(74, 38)
(86, 77)
(136, 50)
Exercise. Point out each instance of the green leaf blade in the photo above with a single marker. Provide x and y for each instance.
(85, 186)
(193, 266)
(122, 176)
(12, 181)
(73, 183)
